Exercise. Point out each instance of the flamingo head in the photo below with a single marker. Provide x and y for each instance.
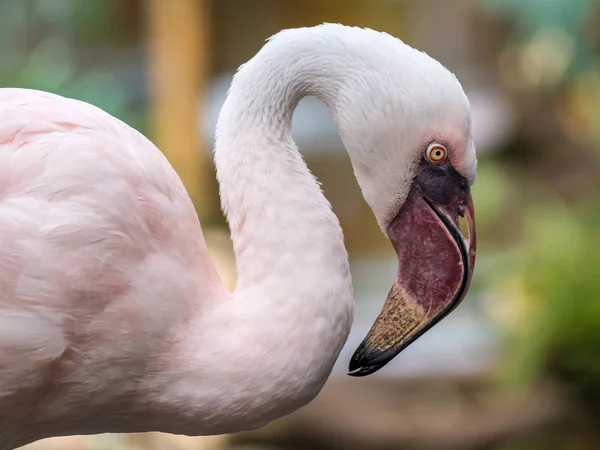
(409, 138)
(435, 262)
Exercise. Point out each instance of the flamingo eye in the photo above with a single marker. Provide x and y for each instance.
(436, 153)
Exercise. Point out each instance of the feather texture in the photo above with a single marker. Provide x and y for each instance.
(94, 223)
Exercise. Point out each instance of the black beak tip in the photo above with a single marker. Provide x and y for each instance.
(364, 362)
(362, 371)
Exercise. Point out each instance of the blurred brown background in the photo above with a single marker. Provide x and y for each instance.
(517, 365)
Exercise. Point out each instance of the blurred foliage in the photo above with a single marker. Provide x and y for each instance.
(554, 47)
(557, 332)
(57, 46)
(547, 290)
(557, 20)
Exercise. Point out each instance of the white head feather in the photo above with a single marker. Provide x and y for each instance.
(389, 101)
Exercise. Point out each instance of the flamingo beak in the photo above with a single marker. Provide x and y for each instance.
(435, 269)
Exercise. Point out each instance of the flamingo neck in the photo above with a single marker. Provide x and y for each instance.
(293, 301)
(291, 261)
(269, 348)
(284, 233)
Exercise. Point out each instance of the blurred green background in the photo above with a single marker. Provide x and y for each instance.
(517, 365)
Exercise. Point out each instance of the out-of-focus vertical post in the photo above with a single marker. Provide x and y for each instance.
(178, 56)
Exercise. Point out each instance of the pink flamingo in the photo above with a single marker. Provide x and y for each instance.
(112, 315)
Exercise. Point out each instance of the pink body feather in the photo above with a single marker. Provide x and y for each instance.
(94, 224)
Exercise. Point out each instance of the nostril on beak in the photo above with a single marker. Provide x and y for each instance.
(462, 226)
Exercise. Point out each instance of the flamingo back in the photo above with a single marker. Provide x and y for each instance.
(101, 256)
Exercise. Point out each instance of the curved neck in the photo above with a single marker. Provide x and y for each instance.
(282, 227)
(273, 344)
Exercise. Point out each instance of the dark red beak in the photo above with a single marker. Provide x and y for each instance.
(435, 268)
